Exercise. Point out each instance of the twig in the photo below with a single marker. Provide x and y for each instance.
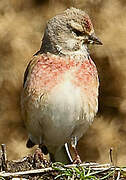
(118, 175)
(3, 157)
(17, 174)
(110, 154)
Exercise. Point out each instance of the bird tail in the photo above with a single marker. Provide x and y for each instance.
(63, 155)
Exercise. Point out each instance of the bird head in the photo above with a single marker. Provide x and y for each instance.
(71, 31)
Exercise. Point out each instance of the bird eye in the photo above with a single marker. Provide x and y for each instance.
(77, 32)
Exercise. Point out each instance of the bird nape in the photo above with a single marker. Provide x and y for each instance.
(60, 95)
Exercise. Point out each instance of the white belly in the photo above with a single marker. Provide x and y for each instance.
(64, 109)
(61, 117)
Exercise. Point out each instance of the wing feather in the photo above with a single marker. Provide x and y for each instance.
(29, 68)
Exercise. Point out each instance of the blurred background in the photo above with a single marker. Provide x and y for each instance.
(22, 25)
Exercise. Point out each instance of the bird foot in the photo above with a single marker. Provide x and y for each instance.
(77, 160)
(38, 159)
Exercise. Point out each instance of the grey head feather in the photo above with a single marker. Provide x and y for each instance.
(67, 33)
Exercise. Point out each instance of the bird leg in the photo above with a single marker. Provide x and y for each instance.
(77, 159)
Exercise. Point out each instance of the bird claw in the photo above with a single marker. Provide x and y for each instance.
(77, 160)
(38, 158)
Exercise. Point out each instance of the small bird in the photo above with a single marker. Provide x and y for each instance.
(60, 92)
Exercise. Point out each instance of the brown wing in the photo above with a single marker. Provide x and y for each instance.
(29, 68)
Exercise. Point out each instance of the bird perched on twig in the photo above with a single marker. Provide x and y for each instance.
(60, 93)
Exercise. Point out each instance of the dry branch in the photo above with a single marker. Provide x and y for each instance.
(93, 166)
(24, 168)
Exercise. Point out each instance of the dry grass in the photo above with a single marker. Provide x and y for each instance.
(21, 27)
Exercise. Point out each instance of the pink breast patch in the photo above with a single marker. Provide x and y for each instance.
(49, 71)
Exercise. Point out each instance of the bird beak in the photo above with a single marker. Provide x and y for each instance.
(94, 40)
